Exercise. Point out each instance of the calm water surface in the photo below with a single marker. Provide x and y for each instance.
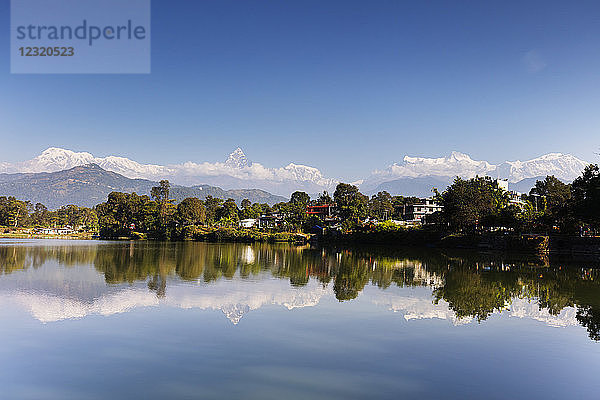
(123, 320)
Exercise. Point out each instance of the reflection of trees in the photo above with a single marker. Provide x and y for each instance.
(15, 258)
(589, 318)
(350, 279)
(133, 262)
(470, 295)
(473, 286)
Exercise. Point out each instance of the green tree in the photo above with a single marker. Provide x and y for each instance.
(324, 198)
(351, 205)
(246, 203)
(381, 206)
(467, 202)
(228, 214)
(586, 196)
(296, 211)
(399, 204)
(40, 215)
(212, 205)
(166, 208)
(14, 212)
(550, 199)
(191, 211)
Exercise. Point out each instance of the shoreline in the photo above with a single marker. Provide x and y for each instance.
(518, 244)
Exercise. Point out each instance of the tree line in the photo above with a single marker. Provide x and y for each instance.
(468, 205)
(158, 216)
(477, 203)
(16, 213)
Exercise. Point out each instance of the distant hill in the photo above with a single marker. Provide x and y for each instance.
(525, 185)
(88, 185)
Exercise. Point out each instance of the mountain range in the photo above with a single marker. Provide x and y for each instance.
(413, 176)
(88, 185)
(416, 174)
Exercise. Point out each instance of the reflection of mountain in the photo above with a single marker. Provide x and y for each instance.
(55, 281)
(418, 306)
(49, 302)
(522, 308)
(236, 298)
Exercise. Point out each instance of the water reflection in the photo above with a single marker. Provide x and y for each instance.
(58, 280)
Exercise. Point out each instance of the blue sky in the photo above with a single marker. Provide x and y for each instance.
(344, 86)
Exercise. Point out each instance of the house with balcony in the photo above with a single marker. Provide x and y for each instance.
(417, 212)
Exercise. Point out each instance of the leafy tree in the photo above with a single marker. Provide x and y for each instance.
(589, 317)
(351, 205)
(399, 204)
(300, 198)
(381, 206)
(556, 193)
(467, 202)
(212, 205)
(191, 211)
(296, 212)
(14, 212)
(166, 208)
(246, 203)
(350, 280)
(586, 196)
(124, 212)
(40, 215)
(324, 198)
(251, 212)
(470, 294)
(549, 200)
(228, 214)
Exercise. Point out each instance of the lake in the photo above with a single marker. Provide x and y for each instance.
(151, 320)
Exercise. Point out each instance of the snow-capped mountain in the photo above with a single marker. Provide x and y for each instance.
(563, 166)
(412, 176)
(56, 159)
(237, 159)
(416, 170)
(237, 172)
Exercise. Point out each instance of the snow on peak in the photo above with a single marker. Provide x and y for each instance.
(237, 159)
(454, 164)
(237, 172)
(564, 166)
(57, 159)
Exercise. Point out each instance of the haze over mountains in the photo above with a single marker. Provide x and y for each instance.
(412, 176)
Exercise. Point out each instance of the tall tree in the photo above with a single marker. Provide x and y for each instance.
(191, 211)
(380, 206)
(212, 205)
(229, 213)
(296, 211)
(586, 196)
(351, 205)
(166, 208)
(467, 202)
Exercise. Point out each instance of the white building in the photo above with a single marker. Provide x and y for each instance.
(417, 212)
(247, 223)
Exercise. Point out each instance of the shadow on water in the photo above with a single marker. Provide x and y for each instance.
(474, 285)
